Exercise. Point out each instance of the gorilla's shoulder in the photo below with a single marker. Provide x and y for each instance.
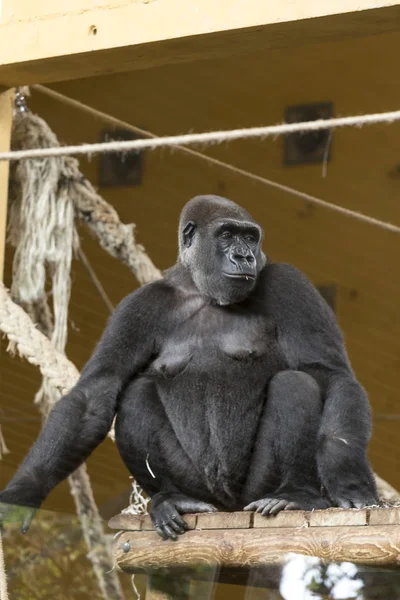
(288, 287)
(285, 274)
(151, 295)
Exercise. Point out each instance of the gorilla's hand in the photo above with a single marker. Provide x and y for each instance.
(166, 510)
(11, 513)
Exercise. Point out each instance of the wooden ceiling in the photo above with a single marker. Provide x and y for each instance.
(362, 261)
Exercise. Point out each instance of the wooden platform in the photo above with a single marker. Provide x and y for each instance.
(248, 541)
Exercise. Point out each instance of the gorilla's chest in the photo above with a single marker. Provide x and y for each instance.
(216, 338)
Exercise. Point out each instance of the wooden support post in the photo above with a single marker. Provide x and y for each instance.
(6, 104)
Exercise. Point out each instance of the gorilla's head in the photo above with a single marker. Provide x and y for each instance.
(220, 244)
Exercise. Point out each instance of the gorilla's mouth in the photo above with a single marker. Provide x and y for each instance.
(246, 276)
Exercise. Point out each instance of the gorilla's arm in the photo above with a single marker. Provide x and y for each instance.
(81, 420)
(312, 342)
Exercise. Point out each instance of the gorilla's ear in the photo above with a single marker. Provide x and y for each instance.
(188, 233)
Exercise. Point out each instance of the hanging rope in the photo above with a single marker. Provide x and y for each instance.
(219, 163)
(205, 138)
(115, 237)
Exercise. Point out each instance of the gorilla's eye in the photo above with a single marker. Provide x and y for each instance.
(250, 239)
(226, 235)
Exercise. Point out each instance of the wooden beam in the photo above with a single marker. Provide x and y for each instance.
(254, 548)
(259, 547)
(6, 104)
(60, 43)
(333, 535)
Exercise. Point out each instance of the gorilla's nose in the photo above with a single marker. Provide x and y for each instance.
(240, 256)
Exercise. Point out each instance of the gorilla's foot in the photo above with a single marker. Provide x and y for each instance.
(297, 500)
(354, 499)
(166, 510)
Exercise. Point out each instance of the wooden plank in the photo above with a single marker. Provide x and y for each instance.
(384, 516)
(289, 518)
(334, 517)
(337, 517)
(234, 520)
(6, 104)
(126, 522)
(142, 522)
(258, 547)
(102, 40)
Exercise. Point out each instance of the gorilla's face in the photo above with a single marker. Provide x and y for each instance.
(222, 253)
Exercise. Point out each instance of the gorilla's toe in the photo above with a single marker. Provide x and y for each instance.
(275, 503)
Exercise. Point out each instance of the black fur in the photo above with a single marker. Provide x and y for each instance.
(231, 384)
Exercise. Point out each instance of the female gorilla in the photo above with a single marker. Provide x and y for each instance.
(231, 384)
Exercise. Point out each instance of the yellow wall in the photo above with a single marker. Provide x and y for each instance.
(359, 76)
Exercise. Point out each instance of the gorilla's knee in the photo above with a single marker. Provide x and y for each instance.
(298, 379)
(295, 385)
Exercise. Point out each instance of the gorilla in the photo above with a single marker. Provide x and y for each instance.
(230, 383)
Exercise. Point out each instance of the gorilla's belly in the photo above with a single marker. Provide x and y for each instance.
(211, 375)
(214, 407)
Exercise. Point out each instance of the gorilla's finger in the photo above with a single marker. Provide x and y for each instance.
(180, 522)
(257, 505)
(251, 506)
(292, 506)
(205, 507)
(278, 507)
(169, 532)
(161, 532)
(28, 520)
(176, 526)
(269, 507)
(262, 504)
(344, 503)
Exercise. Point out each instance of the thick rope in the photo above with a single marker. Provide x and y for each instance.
(205, 138)
(117, 238)
(34, 346)
(39, 188)
(219, 163)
